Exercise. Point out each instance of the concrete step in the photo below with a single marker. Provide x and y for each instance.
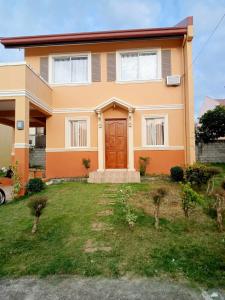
(114, 176)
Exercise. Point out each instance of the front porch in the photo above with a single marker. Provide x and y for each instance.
(115, 143)
(25, 102)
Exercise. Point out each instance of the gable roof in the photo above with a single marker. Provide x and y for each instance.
(178, 30)
(110, 102)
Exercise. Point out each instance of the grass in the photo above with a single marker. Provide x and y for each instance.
(190, 250)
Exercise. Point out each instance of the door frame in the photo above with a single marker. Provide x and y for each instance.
(114, 119)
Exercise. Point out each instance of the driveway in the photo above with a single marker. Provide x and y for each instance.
(96, 289)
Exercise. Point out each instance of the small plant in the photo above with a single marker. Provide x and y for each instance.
(158, 195)
(128, 212)
(143, 163)
(197, 175)
(36, 205)
(213, 172)
(131, 218)
(177, 174)
(189, 198)
(219, 197)
(16, 181)
(35, 185)
(87, 164)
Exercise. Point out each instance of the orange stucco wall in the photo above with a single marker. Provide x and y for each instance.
(160, 160)
(145, 93)
(69, 164)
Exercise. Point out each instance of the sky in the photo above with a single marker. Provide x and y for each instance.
(30, 17)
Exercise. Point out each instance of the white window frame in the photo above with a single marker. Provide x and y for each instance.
(166, 130)
(68, 132)
(51, 67)
(118, 65)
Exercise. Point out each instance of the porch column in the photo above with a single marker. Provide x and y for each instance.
(100, 142)
(131, 140)
(21, 145)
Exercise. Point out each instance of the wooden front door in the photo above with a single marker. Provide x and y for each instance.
(116, 144)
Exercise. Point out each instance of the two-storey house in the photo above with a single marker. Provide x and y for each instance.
(111, 97)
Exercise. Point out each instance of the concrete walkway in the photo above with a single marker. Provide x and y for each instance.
(98, 289)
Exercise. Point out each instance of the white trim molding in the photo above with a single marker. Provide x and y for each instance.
(17, 63)
(72, 110)
(120, 103)
(159, 148)
(25, 93)
(160, 107)
(68, 130)
(21, 145)
(84, 149)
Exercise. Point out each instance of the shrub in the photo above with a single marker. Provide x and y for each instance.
(177, 173)
(35, 185)
(87, 164)
(212, 172)
(189, 198)
(36, 205)
(16, 181)
(197, 175)
(143, 163)
(157, 197)
(219, 197)
(131, 218)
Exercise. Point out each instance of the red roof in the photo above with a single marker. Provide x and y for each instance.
(87, 37)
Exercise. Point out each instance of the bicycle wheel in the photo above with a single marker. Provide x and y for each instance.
(2, 197)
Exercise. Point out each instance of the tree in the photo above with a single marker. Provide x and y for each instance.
(37, 204)
(158, 195)
(211, 125)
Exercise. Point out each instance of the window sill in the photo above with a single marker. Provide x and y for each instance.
(159, 148)
(139, 81)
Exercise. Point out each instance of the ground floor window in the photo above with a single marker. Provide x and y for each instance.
(154, 131)
(77, 132)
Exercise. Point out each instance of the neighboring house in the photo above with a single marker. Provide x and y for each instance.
(5, 145)
(209, 104)
(103, 96)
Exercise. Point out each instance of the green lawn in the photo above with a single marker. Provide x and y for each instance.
(73, 238)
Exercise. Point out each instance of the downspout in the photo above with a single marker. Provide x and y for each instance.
(184, 97)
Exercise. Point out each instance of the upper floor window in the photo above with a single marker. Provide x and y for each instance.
(70, 69)
(139, 65)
